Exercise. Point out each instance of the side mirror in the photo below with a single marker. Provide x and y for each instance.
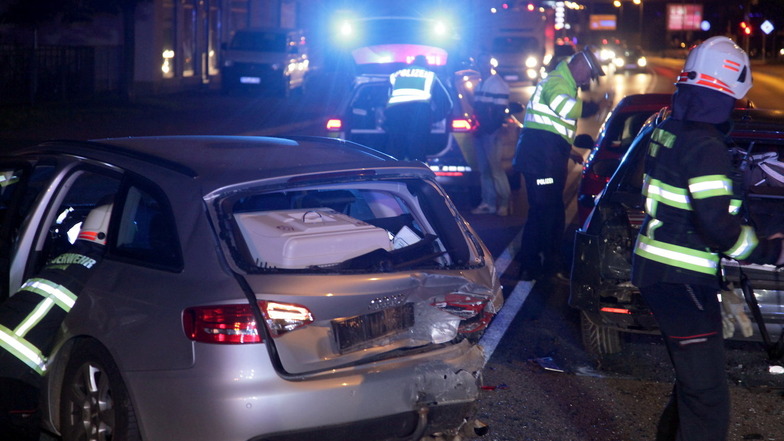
(583, 141)
(515, 107)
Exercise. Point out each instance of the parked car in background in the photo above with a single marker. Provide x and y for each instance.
(600, 281)
(615, 136)
(253, 288)
(450, 150)
(267, 59)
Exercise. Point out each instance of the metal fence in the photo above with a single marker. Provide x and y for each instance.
(58, 73)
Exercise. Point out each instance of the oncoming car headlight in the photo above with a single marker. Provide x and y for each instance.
(531, 62)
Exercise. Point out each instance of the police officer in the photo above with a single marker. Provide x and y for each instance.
(691, 222)
(542, 155)
(417, 99)
(491, 99)
(30, 319)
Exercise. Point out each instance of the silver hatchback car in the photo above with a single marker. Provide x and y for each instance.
(253, 289)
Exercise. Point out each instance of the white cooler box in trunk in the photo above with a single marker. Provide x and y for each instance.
(301, 238)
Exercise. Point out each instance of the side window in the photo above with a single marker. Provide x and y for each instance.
(147, 232)
(84, 190)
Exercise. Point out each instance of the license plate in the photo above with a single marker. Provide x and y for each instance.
(356, 332)
(511, 77)
(250, 80)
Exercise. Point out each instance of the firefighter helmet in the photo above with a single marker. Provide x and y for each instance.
(718, 64)
(96, 224)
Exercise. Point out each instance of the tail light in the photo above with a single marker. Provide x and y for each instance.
(462, 125)
(236, 324)
(470, 308)
(334, 125)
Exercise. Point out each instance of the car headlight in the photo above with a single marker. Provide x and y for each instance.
(531, 62)
(619, 62)
(642, 62)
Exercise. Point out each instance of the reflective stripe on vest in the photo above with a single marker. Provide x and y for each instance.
(552, 117)
(13, 340)
(411, 85)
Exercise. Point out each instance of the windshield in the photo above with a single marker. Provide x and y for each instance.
(515, 44)
(259, 41)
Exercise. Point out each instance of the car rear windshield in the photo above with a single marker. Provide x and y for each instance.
(375, 226)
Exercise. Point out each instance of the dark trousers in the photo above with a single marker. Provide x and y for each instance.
(540, 249)
(543, 158)
(408, 130)
(689, 317)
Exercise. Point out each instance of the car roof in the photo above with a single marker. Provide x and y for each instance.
(224, 160)
(757, 123)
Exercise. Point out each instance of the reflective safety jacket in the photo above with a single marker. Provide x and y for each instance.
(691, 211)
(554, 106)
(30, 319)
(412, 84)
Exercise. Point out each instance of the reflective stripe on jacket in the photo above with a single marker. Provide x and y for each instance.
(554, 106)
(412, 84)
(691, 210)
(30, 318)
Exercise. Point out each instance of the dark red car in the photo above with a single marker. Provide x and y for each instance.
(616, 134)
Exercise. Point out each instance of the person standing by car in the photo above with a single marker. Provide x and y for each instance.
(542, 156)
(417, 98)
(29, 321)
(691, 222)
(491, 99)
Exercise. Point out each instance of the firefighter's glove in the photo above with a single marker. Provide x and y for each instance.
(732, 313)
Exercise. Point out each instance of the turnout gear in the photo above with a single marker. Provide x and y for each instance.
(691, 222)
(30, 319)
(718, 64)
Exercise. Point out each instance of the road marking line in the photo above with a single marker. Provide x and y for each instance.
(512, 305)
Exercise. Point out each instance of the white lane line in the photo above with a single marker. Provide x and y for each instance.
(512, 305)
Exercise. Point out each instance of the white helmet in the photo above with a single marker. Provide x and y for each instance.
(718, 64)
(96, 224)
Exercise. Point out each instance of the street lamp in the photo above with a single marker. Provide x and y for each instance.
(640, 4)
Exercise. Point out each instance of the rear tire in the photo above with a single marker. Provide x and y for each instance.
(599, 339)
(95, 404)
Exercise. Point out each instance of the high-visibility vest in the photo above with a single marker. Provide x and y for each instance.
(554, 106)
(30, 318)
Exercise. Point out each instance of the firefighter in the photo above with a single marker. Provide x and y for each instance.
(417, 99)
(30, 319)
(542, 155)
(691, 223)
